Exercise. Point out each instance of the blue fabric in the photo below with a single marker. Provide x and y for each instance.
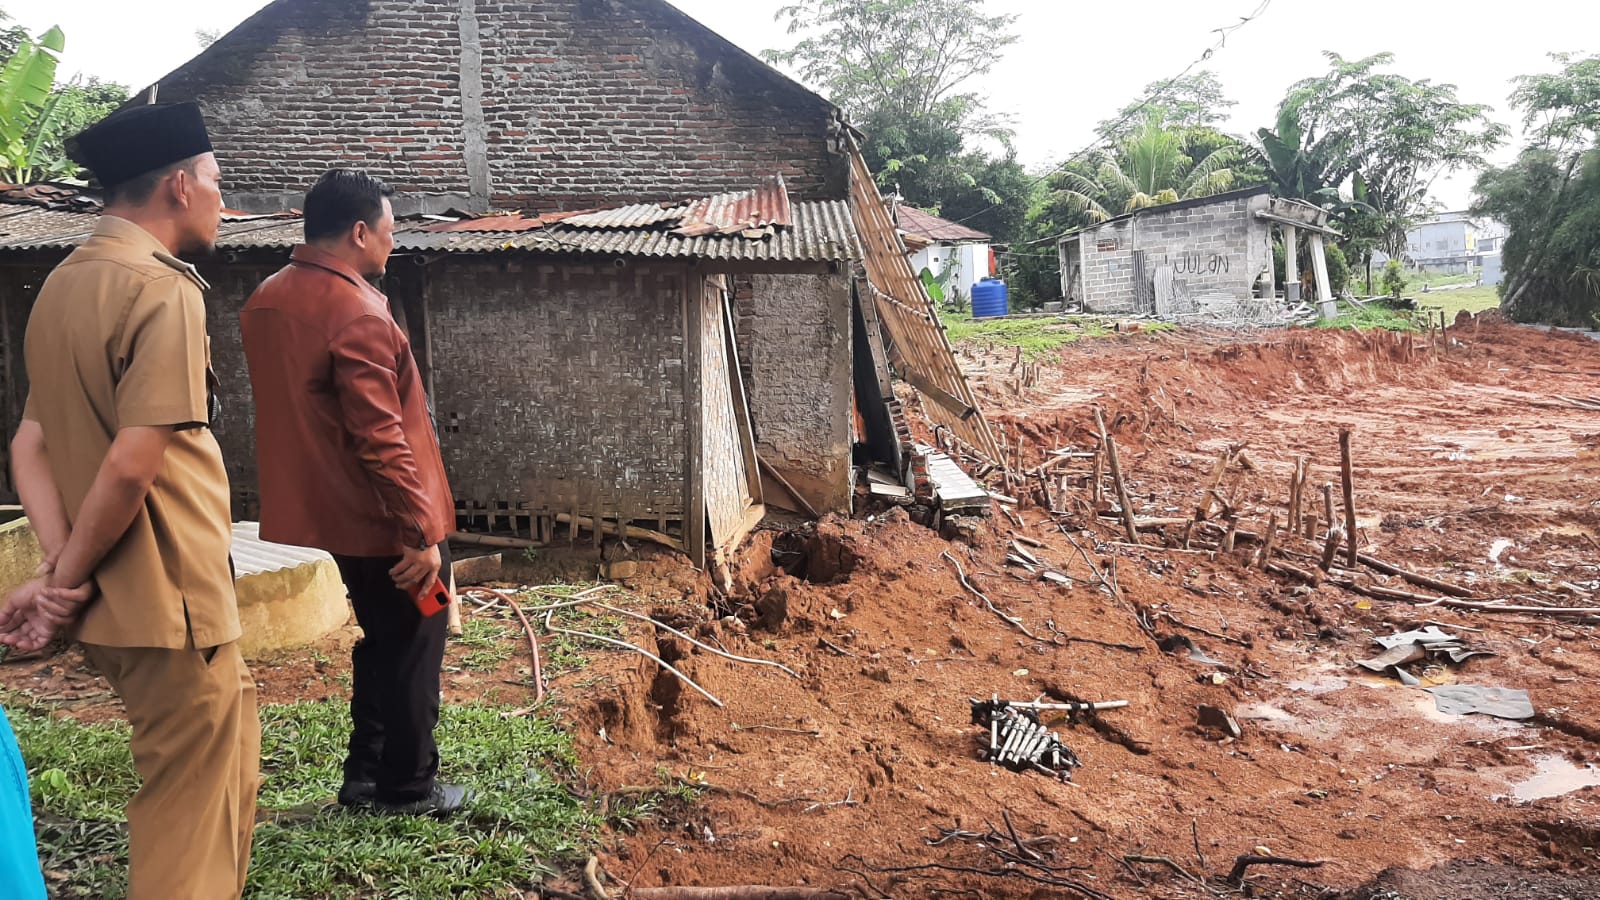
(20, 878)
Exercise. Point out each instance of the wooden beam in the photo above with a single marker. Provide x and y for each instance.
(694, 501)
(933, 392)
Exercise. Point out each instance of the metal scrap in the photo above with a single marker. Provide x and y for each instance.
(1019, 741)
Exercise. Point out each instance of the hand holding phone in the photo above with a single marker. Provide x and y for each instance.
(434, 599)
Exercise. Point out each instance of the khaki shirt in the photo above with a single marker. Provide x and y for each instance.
(117, 339)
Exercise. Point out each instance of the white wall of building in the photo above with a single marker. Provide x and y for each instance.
(971, 263)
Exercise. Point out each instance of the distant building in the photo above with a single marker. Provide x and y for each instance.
(1453, 242)
(945, 248)
(1210, 255)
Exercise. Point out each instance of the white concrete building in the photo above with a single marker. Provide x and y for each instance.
(955, 254)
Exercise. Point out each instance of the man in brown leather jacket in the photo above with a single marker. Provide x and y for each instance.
(349, 463)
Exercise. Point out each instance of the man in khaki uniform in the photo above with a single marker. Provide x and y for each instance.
(125, 485)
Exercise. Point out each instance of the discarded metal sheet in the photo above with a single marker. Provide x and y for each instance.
(1405, 648)
(1465, 699)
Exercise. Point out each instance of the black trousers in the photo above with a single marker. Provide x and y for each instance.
(394, 698)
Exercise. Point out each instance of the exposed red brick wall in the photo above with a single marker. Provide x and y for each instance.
(583, 101)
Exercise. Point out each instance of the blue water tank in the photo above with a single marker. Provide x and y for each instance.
(989, 298)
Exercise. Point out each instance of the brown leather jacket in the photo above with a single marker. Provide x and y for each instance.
(345, 447)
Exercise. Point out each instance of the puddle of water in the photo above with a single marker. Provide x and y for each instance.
(1556, 775)
(1325, 684)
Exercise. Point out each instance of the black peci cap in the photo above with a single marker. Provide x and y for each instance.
(140, 139)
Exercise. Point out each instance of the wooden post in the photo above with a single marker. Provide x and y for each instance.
(1311, 526)
(454, 622)
(1212, 483)
(1099, 477)
(1123, 500)
(1297, 484)
(1346, 470)
(1331, 546)
(1327, 505)
(1231, 536)
(1267, 540)
(1291, 264)
(1319, 266)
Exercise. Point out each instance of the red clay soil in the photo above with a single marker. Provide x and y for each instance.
(860, 765)
(854, 775)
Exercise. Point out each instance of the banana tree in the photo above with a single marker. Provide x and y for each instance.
(27, 104)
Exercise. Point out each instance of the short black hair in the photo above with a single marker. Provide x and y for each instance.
(340, 199)
(137, 190)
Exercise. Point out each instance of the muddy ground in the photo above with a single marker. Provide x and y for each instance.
(862, 773)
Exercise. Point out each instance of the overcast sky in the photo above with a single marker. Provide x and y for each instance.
(1077, 63)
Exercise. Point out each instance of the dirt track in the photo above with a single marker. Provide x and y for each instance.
(1452, 454)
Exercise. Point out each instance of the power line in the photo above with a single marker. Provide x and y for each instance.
(1222, 41)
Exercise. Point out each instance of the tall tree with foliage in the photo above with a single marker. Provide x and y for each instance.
(1386, 137)
(1549, 199)
(902, 71)
(1193, 101)
(1154, 165)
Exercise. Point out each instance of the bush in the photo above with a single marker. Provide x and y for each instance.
(1338, 270)
(1394, 278)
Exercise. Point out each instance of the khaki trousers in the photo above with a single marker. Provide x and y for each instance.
(197, 747)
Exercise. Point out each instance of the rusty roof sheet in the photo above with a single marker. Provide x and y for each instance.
(764, 207)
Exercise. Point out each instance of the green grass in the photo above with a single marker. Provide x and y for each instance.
(524, 824)
(1373, 316)
(487, 643)
(1473, 300)
(1036, 336)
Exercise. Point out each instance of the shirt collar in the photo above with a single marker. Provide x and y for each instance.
(116, 228)
(305, 254)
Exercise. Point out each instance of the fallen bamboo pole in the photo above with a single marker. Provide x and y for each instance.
(1116, 477)
(1347, 474)
(1281, 568)
(1484, 606)
(632, 531)
(1443, 587)
(805, 506)
(491, 540)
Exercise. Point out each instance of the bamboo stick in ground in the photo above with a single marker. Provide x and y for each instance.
(1212, 483)
(1311, 526)
(1327, 505)
(1330, 547)
(1116, 477)
(1231, 536)
(1295, 481)
(1099, 477)
(1346, 470)
(1271, 537)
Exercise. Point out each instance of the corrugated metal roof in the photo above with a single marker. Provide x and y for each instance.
(767, 205)
(813, 231)
(639, 215)
(822, 231)
(253, 556)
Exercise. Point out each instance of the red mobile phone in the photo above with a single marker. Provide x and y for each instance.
(433, 600)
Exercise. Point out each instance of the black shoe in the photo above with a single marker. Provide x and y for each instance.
(444, 800)
(358, 793)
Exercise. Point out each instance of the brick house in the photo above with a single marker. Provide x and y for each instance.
(581, 366)
(1165, 260)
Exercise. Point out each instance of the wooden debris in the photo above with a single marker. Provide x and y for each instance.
(491, 540)
(1295, 572)
(1246, 860)
(1346, 471)
(1265, 555)
(1330, 547)
(740, 892)
(1116, 477)
(575, 522)
(1417, 579)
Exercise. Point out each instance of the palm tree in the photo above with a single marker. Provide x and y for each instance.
(1155, 165)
